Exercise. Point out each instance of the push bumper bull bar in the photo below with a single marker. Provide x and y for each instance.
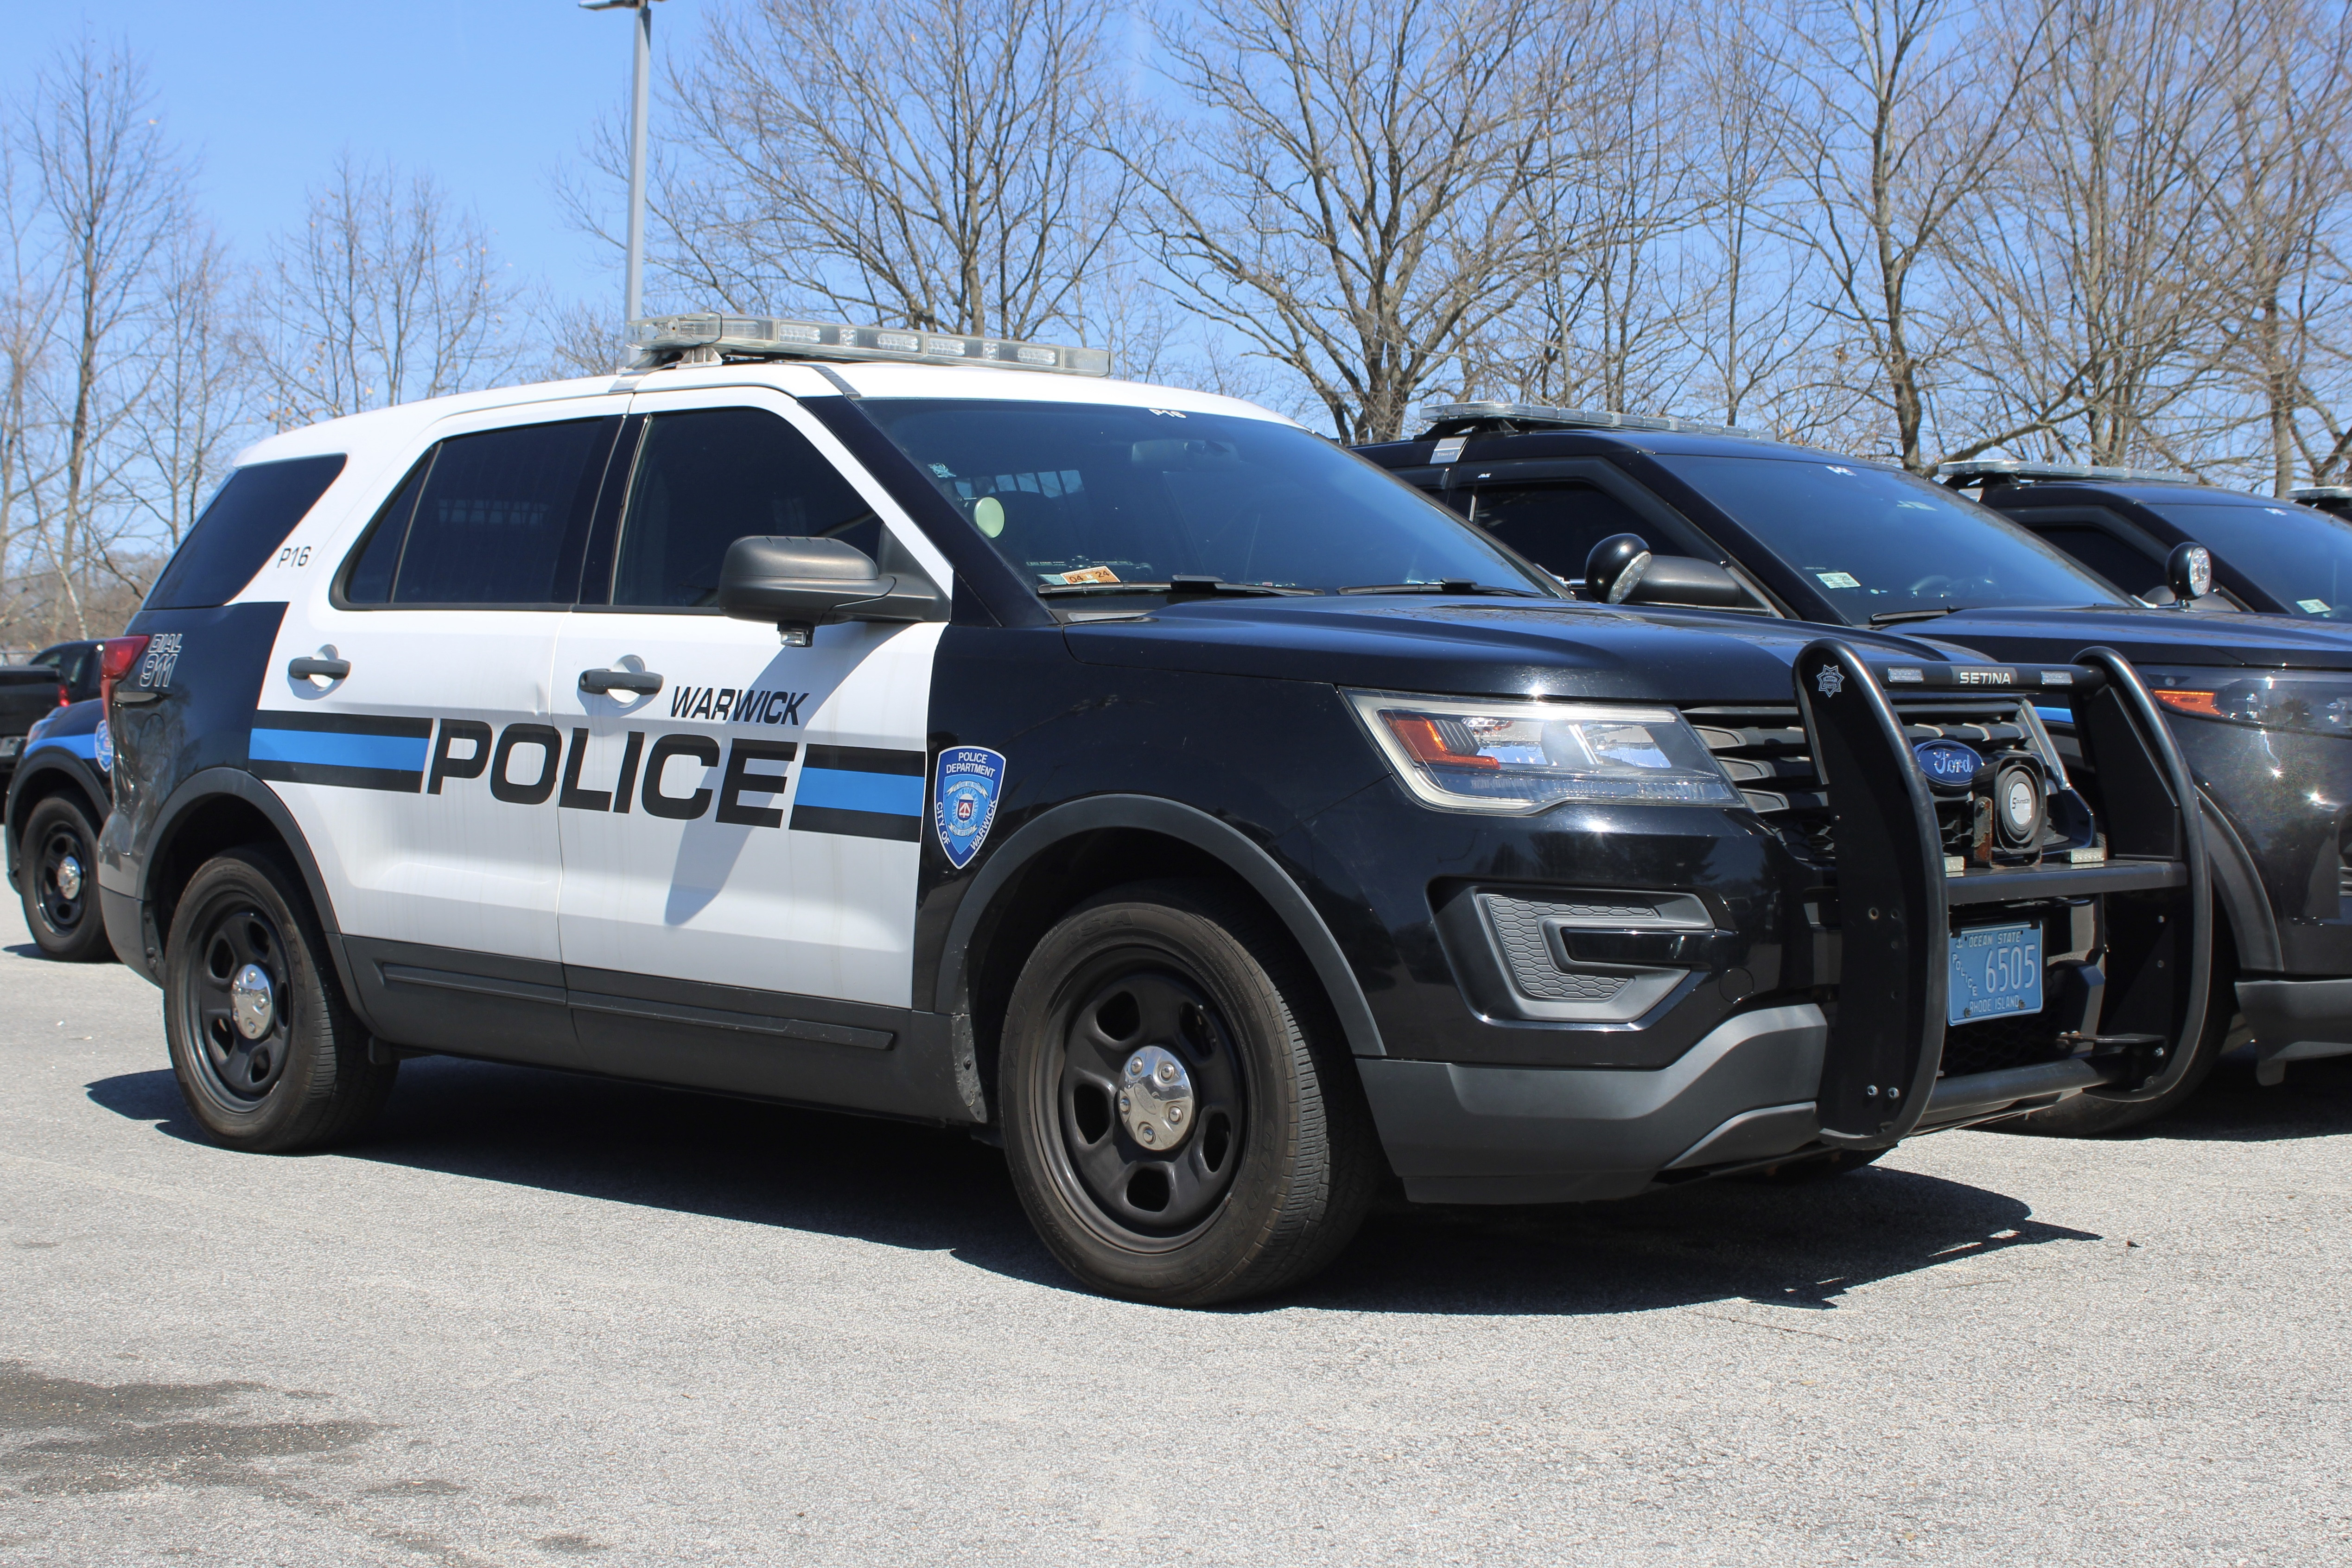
(1881, 1073)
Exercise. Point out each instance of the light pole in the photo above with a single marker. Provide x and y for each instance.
(640, 85)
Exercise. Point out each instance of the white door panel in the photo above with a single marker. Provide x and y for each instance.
(808, 889)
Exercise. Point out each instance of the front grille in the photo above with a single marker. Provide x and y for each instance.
(1768, 755)
(1996, 1043)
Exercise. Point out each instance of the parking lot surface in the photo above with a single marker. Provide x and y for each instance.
(536, 1319)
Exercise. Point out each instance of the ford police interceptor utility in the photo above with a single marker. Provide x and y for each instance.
(1127, 773)
(56, 798)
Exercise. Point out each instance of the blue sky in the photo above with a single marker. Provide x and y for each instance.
(488, 95)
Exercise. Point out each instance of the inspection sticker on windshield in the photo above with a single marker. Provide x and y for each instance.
(1996, 972)
(2316, 606)
(1838, 580)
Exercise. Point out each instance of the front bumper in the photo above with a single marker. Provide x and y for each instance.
(1798, 1073)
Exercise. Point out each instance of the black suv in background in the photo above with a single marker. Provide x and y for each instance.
(2261, 704)
(2280, 557)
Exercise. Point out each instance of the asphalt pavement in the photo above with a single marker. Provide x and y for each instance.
(536, 1319)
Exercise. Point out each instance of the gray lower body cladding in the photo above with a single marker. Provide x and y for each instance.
(1461, 1133)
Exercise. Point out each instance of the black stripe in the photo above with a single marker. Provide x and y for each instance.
(856, 824)
(865, 760)
(745, 1023)
(390, 779)
(344, 723)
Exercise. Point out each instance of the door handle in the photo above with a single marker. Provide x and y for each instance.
(307, 667)
(642, 682)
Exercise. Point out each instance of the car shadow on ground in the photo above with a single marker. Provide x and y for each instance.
(1798, 1246)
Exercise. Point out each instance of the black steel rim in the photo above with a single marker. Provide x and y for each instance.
(242, 1071)
(63, 915)
(1140, 1196)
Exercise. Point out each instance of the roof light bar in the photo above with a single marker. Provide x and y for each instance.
(667, 340)
(2322, 495)
(1525, 413)
(1996, 470)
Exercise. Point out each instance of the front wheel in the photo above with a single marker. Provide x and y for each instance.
(57, 878)
(267, 1052)
(1181, 1125)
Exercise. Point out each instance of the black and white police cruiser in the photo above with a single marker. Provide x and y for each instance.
(914, 725)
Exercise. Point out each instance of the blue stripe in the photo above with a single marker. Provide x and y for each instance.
(2064, 716)
(399, 752)
(894, 793)
(82, 746)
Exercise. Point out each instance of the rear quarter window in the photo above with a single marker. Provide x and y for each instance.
(249, 517)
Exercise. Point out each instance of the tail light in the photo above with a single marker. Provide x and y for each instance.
(117, 657)
(62, 699)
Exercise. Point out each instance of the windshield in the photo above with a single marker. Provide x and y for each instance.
(1088, 498)
(2299, 557)
(1878, 542)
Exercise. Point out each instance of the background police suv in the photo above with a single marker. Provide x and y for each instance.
(1127, 771)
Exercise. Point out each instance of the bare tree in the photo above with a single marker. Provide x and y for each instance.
(935, 165)
(2280, 187)
(389, 293)
(1606, 316)
(107, 186)
(1899, 117)
(199, 395)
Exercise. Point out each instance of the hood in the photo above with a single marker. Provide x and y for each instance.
(1484, 647)
(2152, 637)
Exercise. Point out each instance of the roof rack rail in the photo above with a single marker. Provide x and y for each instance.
(707, 336)
(1444, 418)
(1992, 471)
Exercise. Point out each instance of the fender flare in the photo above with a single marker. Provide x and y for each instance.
(1232, 848)
(210, 785)
(39, 764)
(2245, 904)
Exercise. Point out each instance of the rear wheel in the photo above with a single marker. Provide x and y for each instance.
(1180, 1123)
(266, 1050)
(57, 878)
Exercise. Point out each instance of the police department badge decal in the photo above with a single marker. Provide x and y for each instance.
(1830, 679)
(963, 799)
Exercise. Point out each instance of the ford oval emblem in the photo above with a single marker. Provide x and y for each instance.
(1949, 763)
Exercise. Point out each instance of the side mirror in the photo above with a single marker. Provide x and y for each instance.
(2188, 572)
(800, 584)
(1622, 570)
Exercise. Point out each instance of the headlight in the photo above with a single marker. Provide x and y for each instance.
(1523, 756)
(2307, 705)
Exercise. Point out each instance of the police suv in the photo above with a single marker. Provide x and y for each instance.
(1125, 773)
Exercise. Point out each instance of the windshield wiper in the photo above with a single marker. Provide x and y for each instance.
(1451, 585)
(1889, 617)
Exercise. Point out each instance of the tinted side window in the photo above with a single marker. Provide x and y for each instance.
(2126, 566)
(497, 518)
(1556, 526)
(708, 477)
(248, 517)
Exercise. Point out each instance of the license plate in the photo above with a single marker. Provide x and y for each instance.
(1996, 972)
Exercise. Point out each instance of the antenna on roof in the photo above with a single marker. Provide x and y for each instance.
(704, 337)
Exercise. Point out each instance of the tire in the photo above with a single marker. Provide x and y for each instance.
(303, 1080)
(1265, 1176)
(57, 876)
(2083, 1117)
